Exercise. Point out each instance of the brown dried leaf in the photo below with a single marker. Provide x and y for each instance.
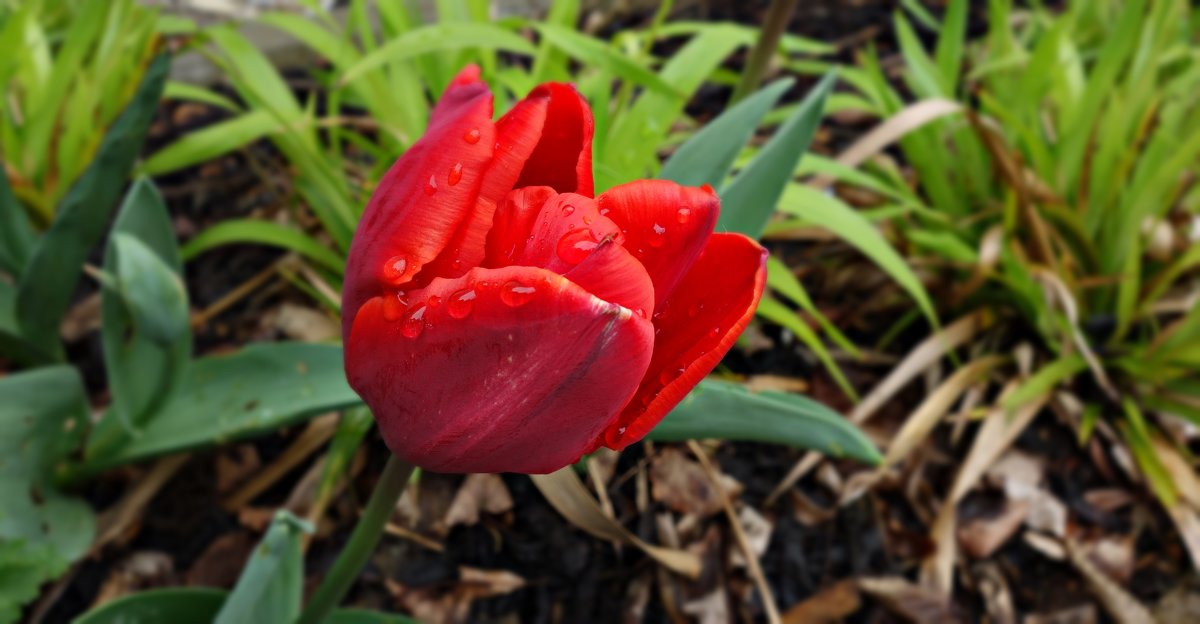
(140, 570)
(983, 536)
(909, 601)
(682, 484)
(302, 323)
(831, 604)
(221, 562)
(479, 492)
(234, 465)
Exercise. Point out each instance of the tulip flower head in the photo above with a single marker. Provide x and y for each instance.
(499, 318)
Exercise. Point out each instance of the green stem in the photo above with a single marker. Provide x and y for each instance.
(772, 30)
(362, 542)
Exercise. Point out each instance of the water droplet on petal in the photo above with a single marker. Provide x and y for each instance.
(669, 375)
(621, 430)
(457, 263)
(604, 211)
(394, 269)
(587, 220)
(715, 332)
(414, 324)
(659, 236)
(683, 215)
(455, 174)
(472, 136)
(434, 301)
(694, 309)
(647, 399)
(431, 186)
(575, 245)
(707, 188)
(394, 306)
(461, 303)
(515, 294)
(568, 210)
(640, 312)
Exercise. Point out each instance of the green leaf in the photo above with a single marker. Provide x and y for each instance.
(830, 213)
(16, 235)
(707, 156)
(439, 38)
(43, 416)
(184, 91)
(153, 293)
(142, 367)
(254, 232)
(222, 398)
(196, 605)
(272, 583)
(779, 314)
(726, 410)
(48, 283)
(949, 51)
(212, 141)
(750, 199)
(595, 53)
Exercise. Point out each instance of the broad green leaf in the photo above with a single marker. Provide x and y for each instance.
(16, 235)
(197, 605)
(830, 213)
(707, 156)
(271, 585)
(726, 410)
(142, 370)
(250, 231)
(48, 283)
(439, 38)
(153, 293)
(222, 398)
(43, 416)
(212, 141)
(595, 53)
(748, 202)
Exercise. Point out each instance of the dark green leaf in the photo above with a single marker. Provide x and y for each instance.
(272, 583)
(726, 410)
(153, 293)
(48, 283)
(16, 235)
(749, 200)
(252, 392)
(707, 156)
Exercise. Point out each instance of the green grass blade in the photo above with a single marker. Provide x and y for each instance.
(254, 232)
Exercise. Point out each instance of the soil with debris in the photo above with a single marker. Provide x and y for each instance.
(492, 549)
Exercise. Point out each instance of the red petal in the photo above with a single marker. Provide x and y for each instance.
(415, 209)
(513, 222)
(567, 229)
(515, 382)
(563, 157)
(613, 274)
(665, 225)
(698, 325)
(545, 140)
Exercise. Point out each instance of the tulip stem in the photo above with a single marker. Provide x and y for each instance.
(362, 542)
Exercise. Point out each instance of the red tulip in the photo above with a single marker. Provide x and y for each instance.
(500, 319)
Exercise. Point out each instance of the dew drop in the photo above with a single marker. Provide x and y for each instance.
(640, 312)
(647, 399)
(683, 215)
(457, 263)
(455, 174)
(707, 188)
(669, 375)
(394, 269)
(515, 294)
(394, 306)
(659, 236)
(414, 324)
(431, 186)
(575, 245)
(434, 301)
(604, 211)
(568, 210)
(587, 220)
(621, 430)
(714, 332)
(472, 136)
(694, 309)
(461, 303)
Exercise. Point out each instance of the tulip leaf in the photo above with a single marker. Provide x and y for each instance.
(16, 235)
(595, 53)
(212, 141)
(437, 38)
(708, 155)
(254, 231)
(222, 398)
(196, 605)
(145, 329)
(272, 583)
(726, 410)
(749, 200)
(43, 415)
(48, 283)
